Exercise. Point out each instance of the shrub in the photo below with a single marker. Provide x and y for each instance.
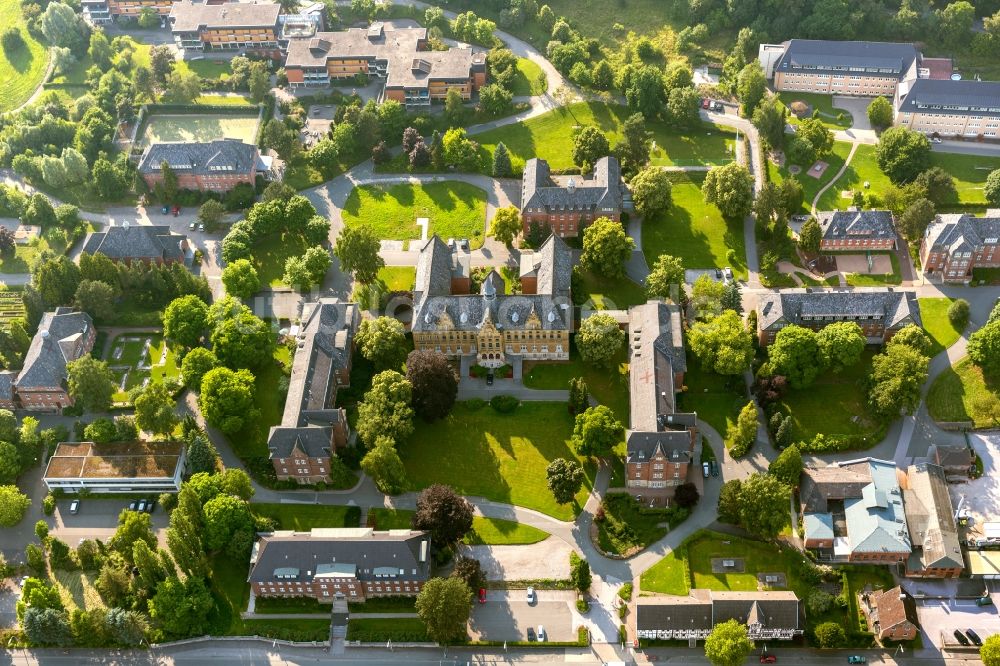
(49, 504)
(625, 592)
(505, 404)
(958, 313)
(168, 501)
(582, 605)
(819, 602)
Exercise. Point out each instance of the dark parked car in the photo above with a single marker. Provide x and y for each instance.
(960, 637)
(984, 601)
(715, 468)
(856, 659)
(150, 505)
(489, 379)
(974, 637)
(531, 633)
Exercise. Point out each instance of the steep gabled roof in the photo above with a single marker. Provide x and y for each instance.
(50, 350)
(856, 224)
(960, 233)
(600, 193)
(220, 157)
(131, 241)
(793, 306)
(930, 517)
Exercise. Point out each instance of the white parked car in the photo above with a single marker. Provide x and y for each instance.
(531, 595)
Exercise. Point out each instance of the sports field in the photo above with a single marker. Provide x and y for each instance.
(201, 127)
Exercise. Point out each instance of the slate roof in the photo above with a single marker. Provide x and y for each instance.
(220, 157)
(833, 482)
(7, 384)
(817, 56)
(856, 224)
(957, 457)
(930, 518)
(355, 552)
(190, 16)
(601, 193)
(131, 241)
(60, 338)
(960, 233)
(818, 525)
(893, 608)
(550, 308)
(702, 609)
(793, 306)
(944, 96)
(325, 343)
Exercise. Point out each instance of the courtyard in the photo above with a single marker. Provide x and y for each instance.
(200, 127)
(139, 358)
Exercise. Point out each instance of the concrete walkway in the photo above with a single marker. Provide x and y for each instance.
(843, 169)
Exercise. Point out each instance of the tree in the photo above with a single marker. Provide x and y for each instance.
(56, 280)
(913, 336)
(896, 380)
(599, 339)
(666, 279)
(565, 478)
(39, 211)
(939, 185)
(91, 383)
(240, 279)
(990, 651)
(596, 431)
(764, 505)
(991, 189)
(732, 297)
(958, 314)
(840, 344)
(722, 344)
(683, 107)
(132, 526)
(100, 431)
(579, 395)
(444, 513)
(787, 467)
(96, 299)
(183, 87)
(645, 91)
(632, 149)
(913, 222)
(750, 87)
(154, 409)
(606, 248)
(202, 455)
(357, 248)
(259, 81)
(686, 495)
(181, 608)
(385, 410)
(243, 341)
(471, 571)
(902, 154)
(589, 145)
(729, 501)
(817, 134)
(9, 464)
(184, 533)
(501, 162)
(579, 572)
(383, 464)
(730, 188)
(435, 384)
(506, 224)
(984, 348)
(13, 505)
(226, 399)
(727, 644)
(185, 320)
(743, 433)
(794, 354)
(47, 626)
(830, 635)
(954, 23)
(651, 191)
(196, 363)
(226, 516)
(127, 627)
(769, 119)
(382, 341)
(444, 604)
(100, 49)
(495, 99)
(61, 25)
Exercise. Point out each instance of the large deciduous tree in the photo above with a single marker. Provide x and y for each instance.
(596, 431)
(728, 644)
(764, 505)
(13, 505)
(795, 354)
(185, 320)
(357, 248)
(840, 344)
(435, 384)
(243, 341)
(751, 86)
(896, 380)
(730, 188)
(383, 464)
(91, 383)
(902, 154)
(666, 279)
(722, 344)
(600, 340)
(743, 433)
(880, 113)
(227, 399)
(444, 605)
(182, 608)
(382, 341)
(589, 145)
(196, 363)
(154, 409)
(240, 279)
(506, 225)
(564, 478)
(606, 248)
(444, 513)
(651, 191)
(787, 467)
(385, 410)
(984, 347)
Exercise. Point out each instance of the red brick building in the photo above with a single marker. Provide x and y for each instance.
(218, 166)
(852, 230)
(312, 428)
(568, 203)
(351, 564)
(891, 614)
(62, 336)
(954, 245)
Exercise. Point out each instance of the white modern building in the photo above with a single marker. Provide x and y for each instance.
(122, 467)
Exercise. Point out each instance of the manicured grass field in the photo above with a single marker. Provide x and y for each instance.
(22, 70)
(77, 589)
(710, 395)
(133, 354)
(198, 127)
(304, 517)
(456, 210)
(671, 575)
(224, 100)
(271, 253)
(608, 387)
(934, 316)
(380, 629)
(862, 169)
(206, 68)
(811, 412)
(498, 456)
(529, 80)
(397, 278)
(485, 531)
(810, 185)
(969, 172)
(962, 393)
(694, 231)
(604, 294)
(828, 113)
(550, 136)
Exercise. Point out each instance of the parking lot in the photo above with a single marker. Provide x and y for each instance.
(506, 616)
(940, 617)
(981, 496)
(98, 519)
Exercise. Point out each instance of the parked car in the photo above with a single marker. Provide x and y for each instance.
(191, 226)
(718, 274)
(74, 507)
(727, 273)
(541, 634)
(974, 637)
(133, 505)
(935, 140)
(150, 505)
(489, 379)
(984, 601)
(706, 470)
(531, 595)
(960, 637)
(141, 508)
(176, 211)
(482, 595)
(201, 226)
(717, 106)
(706, 103)
(856, 659)
(715, 468)
(768, 659)
(531, 634)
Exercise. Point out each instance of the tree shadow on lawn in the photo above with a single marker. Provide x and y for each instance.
(20, 60)
(447, 195)
(672, 232)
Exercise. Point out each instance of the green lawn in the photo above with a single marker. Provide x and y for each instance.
(456, 210)
(498, 456)
(224, 100)
(24, 256)
(628, 526)
(271, 252)
(485, 531)
(711, 396)
(605, 294)
(829, 114)
(268, 401)
(22, 70)
(969, 172)
(671, 575)
(811, 412)
(304, 517)
(529, 80)
(875, 279)
(397, 278)
(608, 387)
(810, 185)
(862, 169)
(934, 316)
(380, 630)
(550, 136)
(962, 393)
(694, 231)
(206, 68)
